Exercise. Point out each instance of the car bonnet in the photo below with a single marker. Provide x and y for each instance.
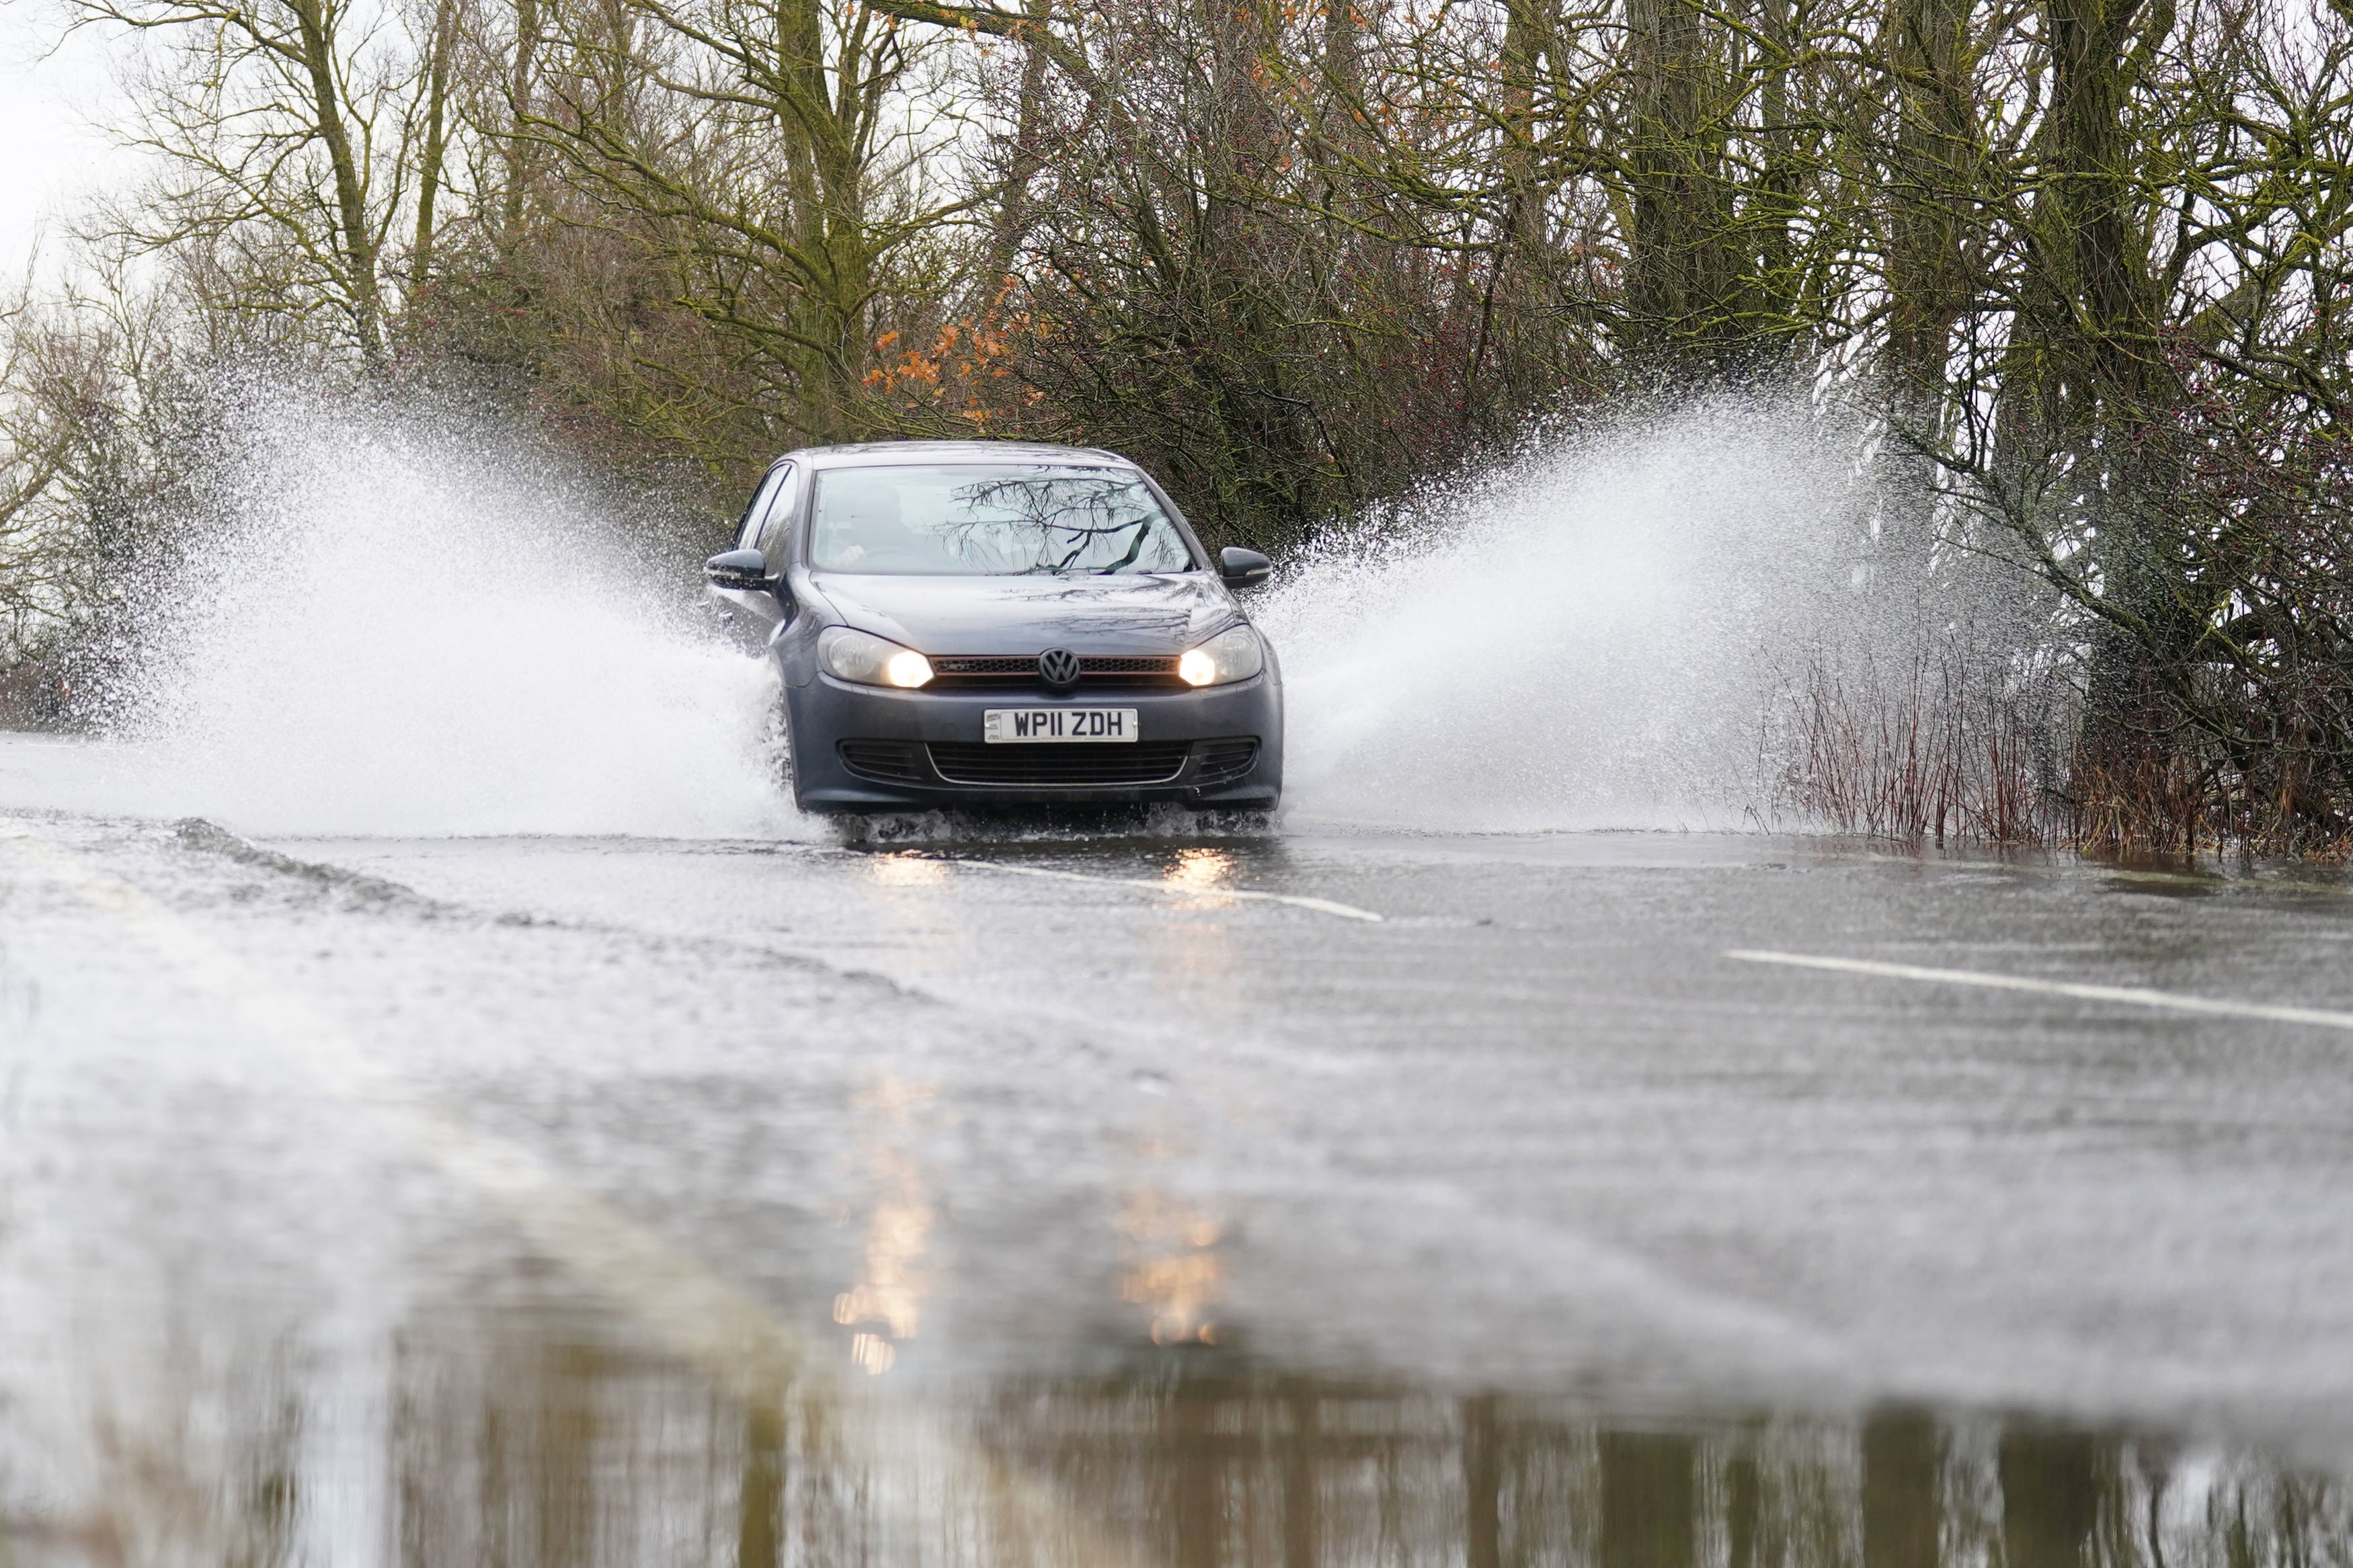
(1123, 612)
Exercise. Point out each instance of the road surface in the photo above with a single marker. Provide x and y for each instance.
(1310, 1196)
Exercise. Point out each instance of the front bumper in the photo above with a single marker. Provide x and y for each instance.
(825, 712)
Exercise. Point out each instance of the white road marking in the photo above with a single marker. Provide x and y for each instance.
(2130, 995)
(1296, 900)
(707, 1321)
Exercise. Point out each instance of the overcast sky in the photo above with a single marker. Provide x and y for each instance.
(51, 151)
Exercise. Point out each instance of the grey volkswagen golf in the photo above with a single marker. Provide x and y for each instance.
(978, 623)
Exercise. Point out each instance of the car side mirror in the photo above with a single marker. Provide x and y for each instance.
(737, 569)
(1244, 568)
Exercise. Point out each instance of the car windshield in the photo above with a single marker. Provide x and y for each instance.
(955, 520)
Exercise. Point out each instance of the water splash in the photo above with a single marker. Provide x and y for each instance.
(400, 623)
(1597, 634)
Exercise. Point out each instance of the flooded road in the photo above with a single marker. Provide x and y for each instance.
(1323, 1196)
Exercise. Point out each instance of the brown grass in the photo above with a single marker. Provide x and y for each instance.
(1943, 753)
(1955, 751)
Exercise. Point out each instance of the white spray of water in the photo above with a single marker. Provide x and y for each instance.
(1598, 635)
(400, 627)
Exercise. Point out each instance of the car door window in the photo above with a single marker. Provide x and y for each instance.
(748, 527)
(778, 502)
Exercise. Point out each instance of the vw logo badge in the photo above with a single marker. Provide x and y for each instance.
(1058, 668)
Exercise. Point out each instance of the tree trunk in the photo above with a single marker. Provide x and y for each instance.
(1011, 229)
(442, 44)
(825, 171)
(1930, 62)
(2092, 326)
(521, 71)
(356, 245)
(1935, 180)
(1681, 272)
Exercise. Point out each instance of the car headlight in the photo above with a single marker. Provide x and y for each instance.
(852, 655)
(1233, 653)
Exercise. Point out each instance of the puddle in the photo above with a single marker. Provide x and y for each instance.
(539, 1438)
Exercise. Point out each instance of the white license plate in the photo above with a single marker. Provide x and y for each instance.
(1000, 726)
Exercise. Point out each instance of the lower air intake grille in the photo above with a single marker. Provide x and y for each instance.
(886, 762)
(1222, 761)
(978, 762)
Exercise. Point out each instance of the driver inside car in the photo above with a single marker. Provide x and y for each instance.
(859, 525)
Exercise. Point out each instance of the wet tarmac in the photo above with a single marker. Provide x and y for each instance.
(1313, 1196)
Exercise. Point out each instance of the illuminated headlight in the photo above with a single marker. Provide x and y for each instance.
(849, 654)
(1233, 653)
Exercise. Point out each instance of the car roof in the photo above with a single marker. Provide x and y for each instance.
(871, 453)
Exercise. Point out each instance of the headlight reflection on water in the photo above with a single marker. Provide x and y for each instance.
(1203, 868)
(907, 871)
(884, 1306)
(1175, 1269)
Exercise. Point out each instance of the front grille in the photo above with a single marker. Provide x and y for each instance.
(1071, 766)
(885, 762)
(974, 672)
(1224, 761)
(973, 666)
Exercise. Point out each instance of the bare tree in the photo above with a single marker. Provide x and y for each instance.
(295, 135)
(768, 155)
